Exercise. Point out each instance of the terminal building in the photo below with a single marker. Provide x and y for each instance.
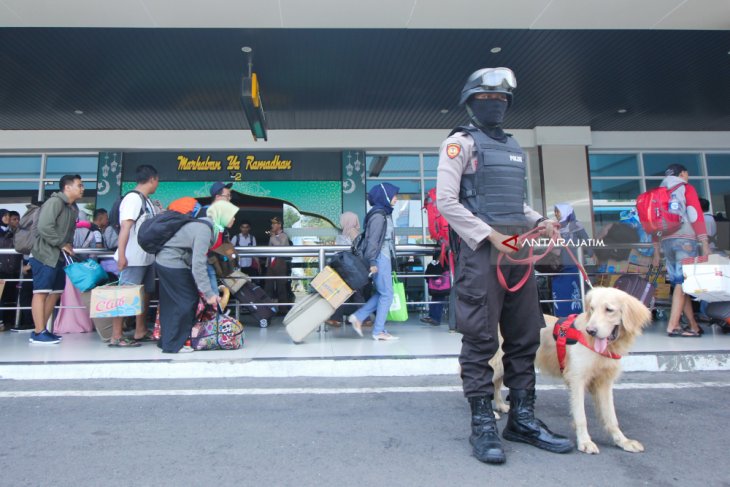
(357, 93)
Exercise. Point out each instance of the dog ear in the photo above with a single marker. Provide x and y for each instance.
(587, 307)
(634, 315)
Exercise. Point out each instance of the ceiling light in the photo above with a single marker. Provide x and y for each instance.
(622, 110)
(495, 50)
(444, 111)
(79, 112)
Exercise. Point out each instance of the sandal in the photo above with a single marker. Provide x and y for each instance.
(124, 342)
(148, 337)
(682, 333)
(700, 331)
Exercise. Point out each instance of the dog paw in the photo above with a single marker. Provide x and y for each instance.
(632, 446)
(588, 447)
(502, 408)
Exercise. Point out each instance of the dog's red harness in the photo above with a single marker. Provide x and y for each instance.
(565, 333)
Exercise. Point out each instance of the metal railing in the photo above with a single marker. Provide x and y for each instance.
(321, 253)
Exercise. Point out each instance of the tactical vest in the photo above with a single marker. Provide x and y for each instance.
(496, 191)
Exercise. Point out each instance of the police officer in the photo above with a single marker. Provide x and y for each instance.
(481, 186)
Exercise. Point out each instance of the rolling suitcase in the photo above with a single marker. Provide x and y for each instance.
(306, 315)
(251, 293)
(640, 287)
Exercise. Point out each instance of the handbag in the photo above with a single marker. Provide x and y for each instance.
(220, 333)
(398, 308)
(84, 275)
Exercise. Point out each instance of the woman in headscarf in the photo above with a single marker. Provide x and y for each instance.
(350, 225)
(567, 287)
(181, 267)
(379, 252)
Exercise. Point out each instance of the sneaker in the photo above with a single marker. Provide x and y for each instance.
(186, 349)
(384, 337)
(356, 325)
(57, 337)
(430, 321)
(23, 329)
(264, 323)
(43, 338)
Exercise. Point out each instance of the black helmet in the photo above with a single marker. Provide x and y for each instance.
(489, 80)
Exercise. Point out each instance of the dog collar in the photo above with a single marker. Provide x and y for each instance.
(565, 333)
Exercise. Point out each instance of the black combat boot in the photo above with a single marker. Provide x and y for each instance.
(524, 427)
(484, 437)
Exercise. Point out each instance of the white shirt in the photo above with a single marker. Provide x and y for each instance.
(130, 209)
(241, 241)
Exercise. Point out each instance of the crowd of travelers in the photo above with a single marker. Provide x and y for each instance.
(185, 266)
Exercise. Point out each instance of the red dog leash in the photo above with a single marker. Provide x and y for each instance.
(530, 261)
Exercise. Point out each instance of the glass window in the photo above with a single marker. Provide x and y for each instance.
(720, 191)
(615, 189)
(656, 164)
(613, 165)
(718, 164)
(430, 165)
(389, 165)
(85, 166)
(698, 184)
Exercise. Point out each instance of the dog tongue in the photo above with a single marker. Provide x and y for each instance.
(600, 344)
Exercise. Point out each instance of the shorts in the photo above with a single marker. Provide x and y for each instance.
(47, 279)
(143, 274)
(676, 249)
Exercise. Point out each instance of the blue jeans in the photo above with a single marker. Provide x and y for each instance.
(212, 277)
(676, 249)
(382, 298)
(436, 310)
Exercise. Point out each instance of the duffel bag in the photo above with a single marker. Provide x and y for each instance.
(351, 268)
(220, 333)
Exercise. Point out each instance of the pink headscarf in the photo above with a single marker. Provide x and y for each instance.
(350, 224)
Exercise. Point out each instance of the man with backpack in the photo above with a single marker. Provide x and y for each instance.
(135, 265)
(681, 244)
(54, 231)
(481, 187)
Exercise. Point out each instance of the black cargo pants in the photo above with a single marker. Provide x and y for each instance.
(483, 306)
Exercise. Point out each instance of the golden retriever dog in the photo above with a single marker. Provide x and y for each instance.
(612, 321)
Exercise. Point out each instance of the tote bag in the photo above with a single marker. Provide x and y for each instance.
(398, 309)
(73, 317)
(84, 275)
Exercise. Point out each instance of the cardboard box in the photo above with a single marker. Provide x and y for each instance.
(110, 301)
(606, 280)
(636, 269)
(707, 278)
(662, 292)
(331, 287)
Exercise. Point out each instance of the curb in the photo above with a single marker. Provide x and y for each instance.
(337, 367)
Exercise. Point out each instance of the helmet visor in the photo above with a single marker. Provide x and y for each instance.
(499, 78)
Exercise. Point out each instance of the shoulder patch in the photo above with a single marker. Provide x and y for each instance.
(453, 150)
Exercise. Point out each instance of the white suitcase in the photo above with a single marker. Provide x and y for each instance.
(306, 315)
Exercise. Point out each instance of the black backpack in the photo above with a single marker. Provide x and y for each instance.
(9, 263)
(154, 232)
(114, 212)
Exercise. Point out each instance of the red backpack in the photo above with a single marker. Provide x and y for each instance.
(438, 227)
(654, 212)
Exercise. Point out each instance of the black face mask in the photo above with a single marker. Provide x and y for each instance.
(488, 113)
